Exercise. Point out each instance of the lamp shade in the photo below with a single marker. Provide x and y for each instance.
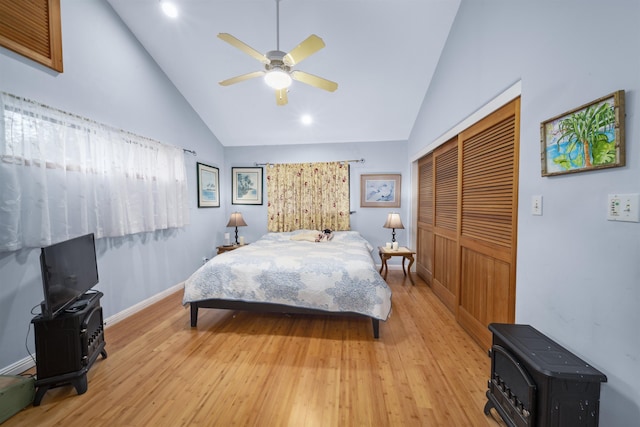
(393, 221)
(236, 220)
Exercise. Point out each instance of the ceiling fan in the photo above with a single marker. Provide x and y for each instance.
(277, 64)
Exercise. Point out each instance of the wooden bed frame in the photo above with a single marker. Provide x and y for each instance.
(266, 307)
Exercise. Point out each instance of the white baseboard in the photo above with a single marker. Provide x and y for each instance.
(19, 367)
(112, 320)
(28, 363)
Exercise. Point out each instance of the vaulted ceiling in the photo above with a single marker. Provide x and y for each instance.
(382, 54)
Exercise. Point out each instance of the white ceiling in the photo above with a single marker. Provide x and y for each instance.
(382, 54)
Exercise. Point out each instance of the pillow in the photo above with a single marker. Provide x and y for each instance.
(313, 236)
(307, 236)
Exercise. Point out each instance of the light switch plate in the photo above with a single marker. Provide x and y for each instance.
(623, 207)
(536, 205)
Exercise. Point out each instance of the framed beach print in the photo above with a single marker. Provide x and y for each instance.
(208, 186)
(246, 186)
(586, 138)
(380, 190)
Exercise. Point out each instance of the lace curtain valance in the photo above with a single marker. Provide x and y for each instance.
(62, 176)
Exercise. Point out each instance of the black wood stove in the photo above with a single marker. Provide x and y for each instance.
(536, 382)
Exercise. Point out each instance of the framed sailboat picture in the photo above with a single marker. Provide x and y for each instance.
(208, 186)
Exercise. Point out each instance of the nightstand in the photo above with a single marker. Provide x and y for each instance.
(223, 249)
(402, 251)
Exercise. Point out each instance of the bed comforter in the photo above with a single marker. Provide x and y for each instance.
(335, 276)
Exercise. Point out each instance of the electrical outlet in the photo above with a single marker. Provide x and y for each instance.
(536, 205)
(623, 207)
(204, 260)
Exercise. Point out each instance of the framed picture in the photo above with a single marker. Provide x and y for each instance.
(246, 186)
(586, 138)
(208, 186)
(380, 190)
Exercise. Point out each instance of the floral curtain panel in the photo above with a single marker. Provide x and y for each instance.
(311, 196)
(62, 176)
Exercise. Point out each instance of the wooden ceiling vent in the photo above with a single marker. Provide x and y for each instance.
(32, 28)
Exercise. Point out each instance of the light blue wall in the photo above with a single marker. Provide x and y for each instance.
(109, 78)
(577, 273)
(380, 157)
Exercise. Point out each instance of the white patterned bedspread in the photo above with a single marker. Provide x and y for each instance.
(336, 276)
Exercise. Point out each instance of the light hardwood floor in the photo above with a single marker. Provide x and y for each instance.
(251, 369)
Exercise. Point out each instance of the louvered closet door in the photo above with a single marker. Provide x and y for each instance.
(488, 219)
(445, 230)
(424, 250)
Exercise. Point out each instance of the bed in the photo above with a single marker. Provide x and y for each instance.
(291, 273)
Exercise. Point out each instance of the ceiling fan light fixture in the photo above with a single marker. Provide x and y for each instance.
(277, 64)
(277, 79)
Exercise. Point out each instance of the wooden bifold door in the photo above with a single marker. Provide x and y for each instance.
(467, 221)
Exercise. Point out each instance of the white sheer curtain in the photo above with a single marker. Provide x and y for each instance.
(62, 176)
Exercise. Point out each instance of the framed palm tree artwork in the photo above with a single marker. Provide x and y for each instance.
(246, 186)
(586, 138)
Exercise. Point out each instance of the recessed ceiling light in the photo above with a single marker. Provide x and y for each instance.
(306, 119)
(169, 9)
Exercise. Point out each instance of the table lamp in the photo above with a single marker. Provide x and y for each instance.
(236, 221)
(393, 222)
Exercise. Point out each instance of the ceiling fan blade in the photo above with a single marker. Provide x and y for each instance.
(281, 97)
(309, 46)
(312, 80)
(243, 47)
(241, 78)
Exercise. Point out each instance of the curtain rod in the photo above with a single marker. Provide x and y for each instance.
(85, 119)
(193, 153)
(349, 161)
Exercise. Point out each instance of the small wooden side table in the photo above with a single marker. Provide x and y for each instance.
(402, 251)
(223, 249)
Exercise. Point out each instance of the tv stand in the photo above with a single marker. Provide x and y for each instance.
(68, 345)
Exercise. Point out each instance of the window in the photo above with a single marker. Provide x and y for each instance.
(62, 176)
(311, 196)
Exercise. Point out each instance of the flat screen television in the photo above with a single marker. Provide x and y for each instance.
(69, 269)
